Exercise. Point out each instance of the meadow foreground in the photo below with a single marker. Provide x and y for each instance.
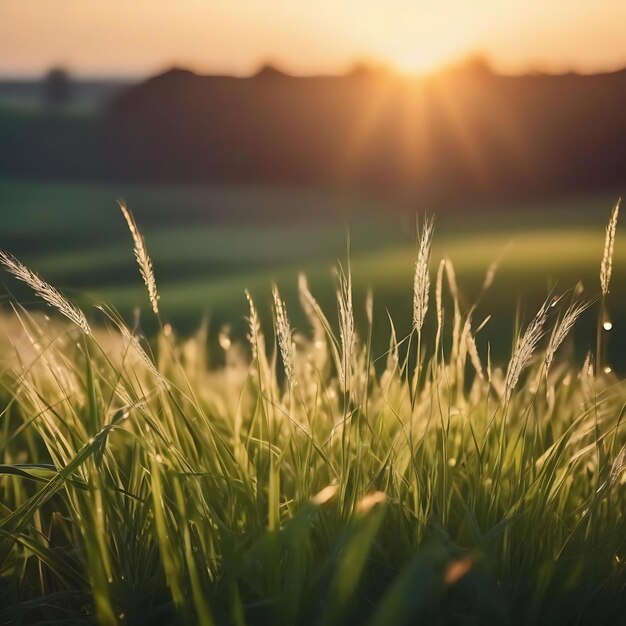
(302, 478)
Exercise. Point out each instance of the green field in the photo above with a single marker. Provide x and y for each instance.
(306, 481)
(342, 475)
(208, 244)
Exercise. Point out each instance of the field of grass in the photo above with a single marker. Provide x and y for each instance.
(309, 478)
(209, 244)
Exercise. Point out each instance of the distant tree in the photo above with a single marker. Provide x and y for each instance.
(270, 71)
(57, 88)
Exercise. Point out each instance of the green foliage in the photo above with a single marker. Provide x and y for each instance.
(420, 486)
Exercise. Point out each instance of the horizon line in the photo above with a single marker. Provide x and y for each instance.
(364, 64)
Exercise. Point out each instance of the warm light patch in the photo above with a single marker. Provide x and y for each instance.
(421, 61)
(324, 495)
(367, 503)
(457, 569)
(306, 37)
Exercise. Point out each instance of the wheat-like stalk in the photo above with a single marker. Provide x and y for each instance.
(285, 342)
(346, 324)
(563, 328)
(45, 291)
(143, 259)
(421, 283)
(606, 266)
(526, 347)
(255, 336)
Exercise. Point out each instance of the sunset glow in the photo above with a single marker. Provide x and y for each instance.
(108, 38)
(416, 61)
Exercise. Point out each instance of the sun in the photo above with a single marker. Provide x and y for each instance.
(424, 56)
(420, 61)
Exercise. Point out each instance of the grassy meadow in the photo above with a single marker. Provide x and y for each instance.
(209, 244)
(320, 461)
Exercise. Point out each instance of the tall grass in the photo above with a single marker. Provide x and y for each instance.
(307, 480)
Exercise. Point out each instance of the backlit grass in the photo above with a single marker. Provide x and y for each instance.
(306, 477)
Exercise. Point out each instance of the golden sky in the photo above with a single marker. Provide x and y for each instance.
(136, 37)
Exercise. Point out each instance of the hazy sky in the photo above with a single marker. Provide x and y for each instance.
(133, 37)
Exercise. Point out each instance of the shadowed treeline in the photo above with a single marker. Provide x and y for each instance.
(465, 133)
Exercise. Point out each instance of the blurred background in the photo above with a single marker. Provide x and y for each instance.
(250, 138)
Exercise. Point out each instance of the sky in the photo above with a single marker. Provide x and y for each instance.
(139, 37)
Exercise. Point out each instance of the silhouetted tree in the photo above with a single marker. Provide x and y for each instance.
(270, 71)
(57, 88)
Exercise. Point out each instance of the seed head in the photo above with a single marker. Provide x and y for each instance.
(421, 282)
(285, 342)
(606, 266)
(45, 291)
(143, 259)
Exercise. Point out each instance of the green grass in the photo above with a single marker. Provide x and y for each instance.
(209, 244)
(423, 485)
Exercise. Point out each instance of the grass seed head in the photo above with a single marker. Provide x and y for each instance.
(563, 328)
(255, 337)
(346, 324)
(525, 349)
(606, 266)
(45, 291)
(143, 259)
(421, 282)
(284, 333)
